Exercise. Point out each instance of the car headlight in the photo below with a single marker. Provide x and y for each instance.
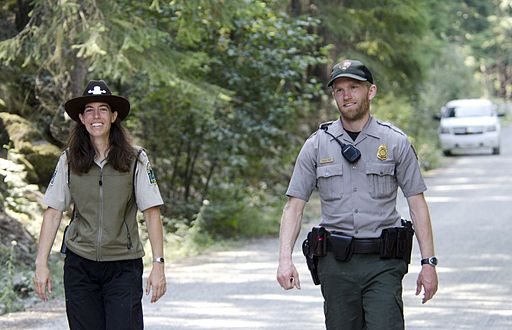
(444, 130)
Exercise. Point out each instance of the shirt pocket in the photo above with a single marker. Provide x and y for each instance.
(381, 179)
(330, 182)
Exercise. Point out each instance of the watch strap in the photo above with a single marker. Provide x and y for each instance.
(159, 260)
(429, 261)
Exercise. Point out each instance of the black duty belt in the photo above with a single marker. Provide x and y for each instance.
(366, 245)
(363, 246)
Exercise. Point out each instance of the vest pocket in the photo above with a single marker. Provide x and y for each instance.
(330, 182)
(381, 179)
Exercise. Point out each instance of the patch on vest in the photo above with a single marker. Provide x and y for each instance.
(151, 174)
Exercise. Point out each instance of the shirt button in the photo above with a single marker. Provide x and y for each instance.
(356, 211)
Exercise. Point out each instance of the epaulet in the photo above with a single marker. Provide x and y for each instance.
(139, 151)
(391, 126)
(325, 125)
(312, 134)
(66, 152)
(138, 159)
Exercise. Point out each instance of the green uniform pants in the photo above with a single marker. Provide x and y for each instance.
(363, 293)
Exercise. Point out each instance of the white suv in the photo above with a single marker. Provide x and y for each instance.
(469, 124)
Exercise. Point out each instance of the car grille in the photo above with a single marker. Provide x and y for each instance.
(468, 130)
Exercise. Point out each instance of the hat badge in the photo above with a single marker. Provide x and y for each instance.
(96, 91)
(345, 65)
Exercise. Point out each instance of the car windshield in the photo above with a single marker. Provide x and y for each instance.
(468, 111)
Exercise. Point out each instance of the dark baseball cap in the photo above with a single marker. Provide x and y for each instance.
(350, 69)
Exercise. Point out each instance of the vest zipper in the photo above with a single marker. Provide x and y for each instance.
(100, 217)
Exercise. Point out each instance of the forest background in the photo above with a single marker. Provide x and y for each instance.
(223, 94)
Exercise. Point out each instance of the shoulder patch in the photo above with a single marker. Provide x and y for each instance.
(151, 174)
(144, 159)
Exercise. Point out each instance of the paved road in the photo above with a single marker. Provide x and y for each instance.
(471, 205)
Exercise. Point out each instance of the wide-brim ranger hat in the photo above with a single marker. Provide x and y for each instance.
(350, 69)
(97, 91)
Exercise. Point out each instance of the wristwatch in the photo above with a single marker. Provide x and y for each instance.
(432, 261)
(159, 260)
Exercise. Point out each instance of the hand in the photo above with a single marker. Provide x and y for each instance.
(427, 278)
(287, 276)
(156, 282)
(42, 279)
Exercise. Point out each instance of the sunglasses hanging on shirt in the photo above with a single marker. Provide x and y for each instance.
(348, 151)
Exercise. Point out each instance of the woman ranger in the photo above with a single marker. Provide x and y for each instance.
(107, 179)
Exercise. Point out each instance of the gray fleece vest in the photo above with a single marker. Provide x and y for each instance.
(105, 225)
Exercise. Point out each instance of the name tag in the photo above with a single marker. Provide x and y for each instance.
(326, 160)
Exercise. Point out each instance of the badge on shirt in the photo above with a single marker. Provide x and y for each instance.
(326, 160)
(151, 174)
(382, 152)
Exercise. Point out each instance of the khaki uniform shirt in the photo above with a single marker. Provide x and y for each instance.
(358, 199)
(147, 194)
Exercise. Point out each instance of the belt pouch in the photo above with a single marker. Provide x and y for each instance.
(388, 243)
(404, 246)
(317, 238)
(341, 246)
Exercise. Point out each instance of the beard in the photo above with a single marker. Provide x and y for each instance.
(362, 109)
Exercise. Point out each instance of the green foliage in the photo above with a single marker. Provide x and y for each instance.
(38, 155)
(492, 50)
(223, 93)
(451, 78)
(235, 215)
(231, 124)
(9, 299)
(223, 79)
(242, 212)
(396, 109)
(385, 34)
(187, 240)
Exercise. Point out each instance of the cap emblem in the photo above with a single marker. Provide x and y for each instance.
(345, 65)
(96, 91)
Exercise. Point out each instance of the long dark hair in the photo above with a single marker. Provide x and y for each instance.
(81, 150)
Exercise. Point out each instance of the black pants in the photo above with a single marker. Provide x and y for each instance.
(103, 295)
